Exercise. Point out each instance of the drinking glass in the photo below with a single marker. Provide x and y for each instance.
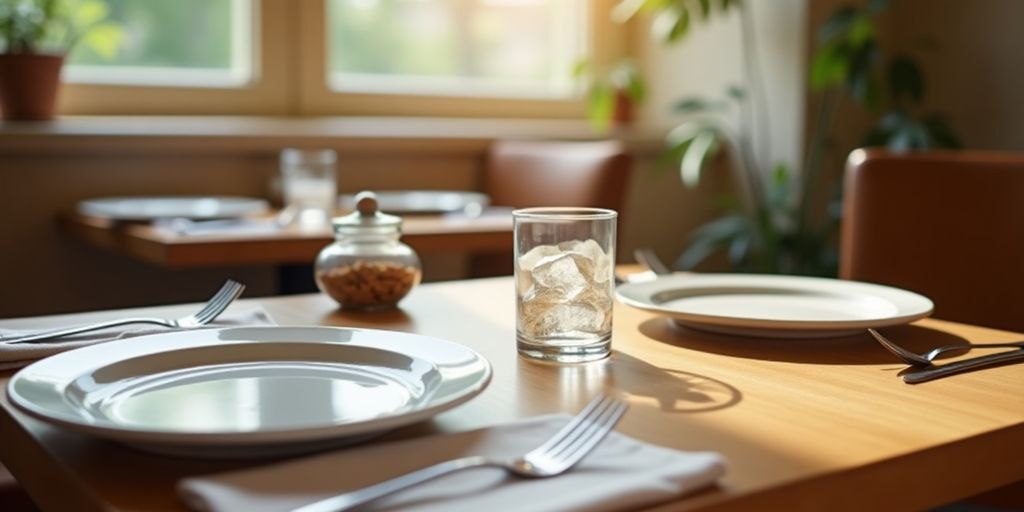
(309, 185)
(564, 267)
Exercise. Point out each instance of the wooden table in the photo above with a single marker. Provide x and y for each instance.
(427, 234)
(804, 424)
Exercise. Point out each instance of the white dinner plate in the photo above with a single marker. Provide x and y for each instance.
(425, 201)
(249, 391)
(773, 305)
(165, 207)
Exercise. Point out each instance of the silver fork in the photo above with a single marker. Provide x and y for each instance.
(914, 359)
(220, 301)
(555, 456)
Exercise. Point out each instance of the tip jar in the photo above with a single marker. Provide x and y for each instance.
(367, 267)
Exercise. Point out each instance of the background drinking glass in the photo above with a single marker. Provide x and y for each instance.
(565, 259)
(309, 185)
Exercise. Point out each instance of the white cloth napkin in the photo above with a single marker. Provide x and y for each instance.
(622, 473)
(16, 355)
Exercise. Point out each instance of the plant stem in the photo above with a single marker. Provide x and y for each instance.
(755, 80)
(812, 163)
(763, 229)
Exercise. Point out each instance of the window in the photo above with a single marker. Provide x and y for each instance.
(183, 43)
(508, 48)
(494, 58)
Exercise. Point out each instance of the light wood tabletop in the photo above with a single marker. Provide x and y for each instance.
(803, 424)
(427, 234)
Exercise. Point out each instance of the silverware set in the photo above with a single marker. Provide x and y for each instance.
(929, 371)
(216, 305)
(558, 454)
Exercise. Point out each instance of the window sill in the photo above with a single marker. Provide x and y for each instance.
(267, 135)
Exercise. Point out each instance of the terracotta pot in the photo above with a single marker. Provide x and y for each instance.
(28, 85)
(622, 116)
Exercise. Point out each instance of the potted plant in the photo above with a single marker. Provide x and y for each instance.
(775, 224)
(612, 94)
(35, 37)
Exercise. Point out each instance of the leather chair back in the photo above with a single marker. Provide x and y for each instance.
(948, 225)
(545, 173)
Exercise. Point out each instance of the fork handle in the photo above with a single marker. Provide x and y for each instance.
(963, 366)
(367, 494)
(68, 331)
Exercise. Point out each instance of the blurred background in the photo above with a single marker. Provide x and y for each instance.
(727, 107)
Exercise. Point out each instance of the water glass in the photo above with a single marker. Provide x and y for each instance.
(309, 185)
(564, 268)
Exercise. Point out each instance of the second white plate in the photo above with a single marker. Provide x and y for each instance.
(253, 391)
(167, 207)
(425, 201)
(775, 306)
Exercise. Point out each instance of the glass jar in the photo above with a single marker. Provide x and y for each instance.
(367, 267)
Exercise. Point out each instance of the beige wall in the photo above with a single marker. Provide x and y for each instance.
(974, 72)
(710, 59)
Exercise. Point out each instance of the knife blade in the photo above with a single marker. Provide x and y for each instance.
(935, 372)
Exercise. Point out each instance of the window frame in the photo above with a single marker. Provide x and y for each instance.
(290, 77)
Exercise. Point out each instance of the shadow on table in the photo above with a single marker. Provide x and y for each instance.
(673, 390)
(391, 319)
(855, 349)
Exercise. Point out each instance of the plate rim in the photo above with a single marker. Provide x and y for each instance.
(769, 324)
(94, 206)
(306, 434)
(485, 199)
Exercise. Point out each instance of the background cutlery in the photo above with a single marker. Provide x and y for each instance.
(935, 372)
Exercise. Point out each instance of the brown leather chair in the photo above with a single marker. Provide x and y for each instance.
(949, 225)
(522, 173)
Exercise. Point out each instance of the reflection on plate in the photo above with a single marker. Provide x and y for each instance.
(163, 207)
(775, 306)
(425, 201)
(251, 391)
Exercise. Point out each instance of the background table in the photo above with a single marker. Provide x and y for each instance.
(804, 424)
(427, 234)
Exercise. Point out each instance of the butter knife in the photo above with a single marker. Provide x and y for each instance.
(935, 372)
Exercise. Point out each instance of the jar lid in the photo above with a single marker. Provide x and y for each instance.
(367, 214)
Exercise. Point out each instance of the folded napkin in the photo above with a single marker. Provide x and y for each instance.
(16, 355)
(622, 473)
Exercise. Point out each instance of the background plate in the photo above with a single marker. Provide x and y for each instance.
(775, 306)
(424, 201)
(164, 207)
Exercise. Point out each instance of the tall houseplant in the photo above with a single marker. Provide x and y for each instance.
(35, 36)
(776, 225)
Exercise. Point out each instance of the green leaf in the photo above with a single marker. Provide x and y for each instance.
(736, 92)
(671, 24)
(696, 157)
(829, 68)
(600, 107)
(104, 39)
(581, 68)
(685, 132)
(626, 78)
(739, 248)
(697, 105)
(705, 8)
(861, 31)
(89, 12)
(906, 79)
(778, 189)
(837, 24)
(709, 238)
